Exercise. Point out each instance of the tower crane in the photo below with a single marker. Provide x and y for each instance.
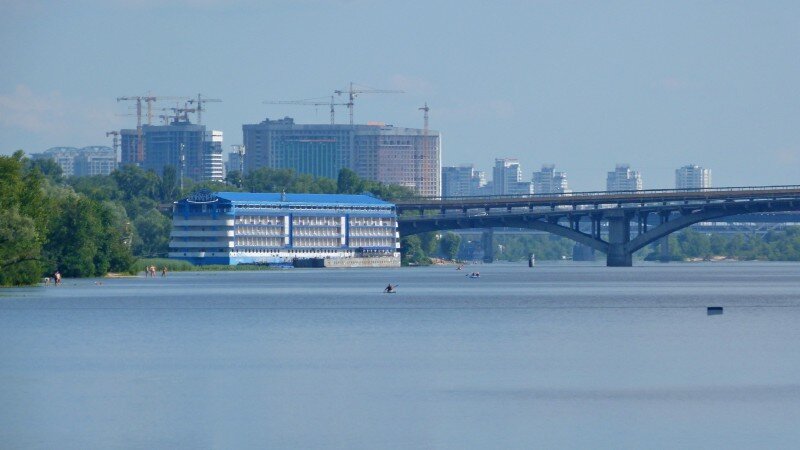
(353, 93)
(139, 143)
(182, 112)
(309, 102)
(200, 100)
(149, 99)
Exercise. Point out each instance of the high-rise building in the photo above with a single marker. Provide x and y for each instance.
(462, 181)
(86, 161)
(375, 151)
(548, 181)
(624, 179)
(213, 166)
(507, 178)
(692, 177)
(169, 145)
(234, 162)
(128, 149)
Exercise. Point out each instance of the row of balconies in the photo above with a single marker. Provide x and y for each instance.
(259, 220)
(260, 243)
(369, 235)
(200, 233)
(179, 222)
(260, 231)
(316, 232)
(317, 223)
(196, 244)
(378, 227)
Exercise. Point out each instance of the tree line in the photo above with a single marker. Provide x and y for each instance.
(778, 245)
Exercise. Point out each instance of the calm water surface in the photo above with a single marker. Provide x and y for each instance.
(560, 356)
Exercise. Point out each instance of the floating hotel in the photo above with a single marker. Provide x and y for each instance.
(311, 230)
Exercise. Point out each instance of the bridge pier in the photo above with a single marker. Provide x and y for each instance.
(664, 247)
(619, 234)
(487, 239)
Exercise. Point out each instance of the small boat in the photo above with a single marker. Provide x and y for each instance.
(714, 310)
(474, 275)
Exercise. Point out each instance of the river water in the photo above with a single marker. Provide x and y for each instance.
(559, 356)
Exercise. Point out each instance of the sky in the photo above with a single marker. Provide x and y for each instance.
(584, 85)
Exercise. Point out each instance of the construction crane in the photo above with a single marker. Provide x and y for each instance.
(353, 93)
(182, 113)
(139, 143)
(114, 141)
(309, 102)
(200, 100)
(150, 99)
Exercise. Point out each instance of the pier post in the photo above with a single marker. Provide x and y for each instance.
(619, 234)
(664, 246)
(487, 239)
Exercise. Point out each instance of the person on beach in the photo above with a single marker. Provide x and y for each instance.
(164, 271)
(57, 277)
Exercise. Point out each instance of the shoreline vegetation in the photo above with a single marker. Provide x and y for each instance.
(119, 223)
(94, 225)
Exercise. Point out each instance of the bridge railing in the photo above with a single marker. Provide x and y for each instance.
(601, 195)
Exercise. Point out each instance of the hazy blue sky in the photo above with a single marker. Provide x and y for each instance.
(583, 85)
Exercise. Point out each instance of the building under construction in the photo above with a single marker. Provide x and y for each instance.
(405, 156)
(186, 146)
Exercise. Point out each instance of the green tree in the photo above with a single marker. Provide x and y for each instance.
(168, 190)
(24, 212)
(449, 243)
(20, 249)
(411, 251)
(234, 178)
(97, 187)
(348, 182)
(72, 245)
(48, 167)
(134, 182)
(152, 231)
(429, 242)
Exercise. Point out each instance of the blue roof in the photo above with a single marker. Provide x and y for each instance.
(339, 199)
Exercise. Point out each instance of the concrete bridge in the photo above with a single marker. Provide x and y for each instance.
(625, 213)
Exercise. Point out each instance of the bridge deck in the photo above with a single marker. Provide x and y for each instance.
(602, 197)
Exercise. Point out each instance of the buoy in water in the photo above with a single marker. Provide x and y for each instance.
(714, 310)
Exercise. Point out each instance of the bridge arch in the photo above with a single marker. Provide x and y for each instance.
(619, 247)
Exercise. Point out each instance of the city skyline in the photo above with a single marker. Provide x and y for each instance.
(583, 86)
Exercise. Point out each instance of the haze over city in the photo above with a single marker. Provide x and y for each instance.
(584, 86)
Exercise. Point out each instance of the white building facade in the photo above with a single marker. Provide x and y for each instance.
(548, 181)
(462, 181)
(692, 177)
(624, 179)
(507, 178)
(251, 228)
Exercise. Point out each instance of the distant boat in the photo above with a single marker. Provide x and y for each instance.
(714, 310)
(474, 275)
